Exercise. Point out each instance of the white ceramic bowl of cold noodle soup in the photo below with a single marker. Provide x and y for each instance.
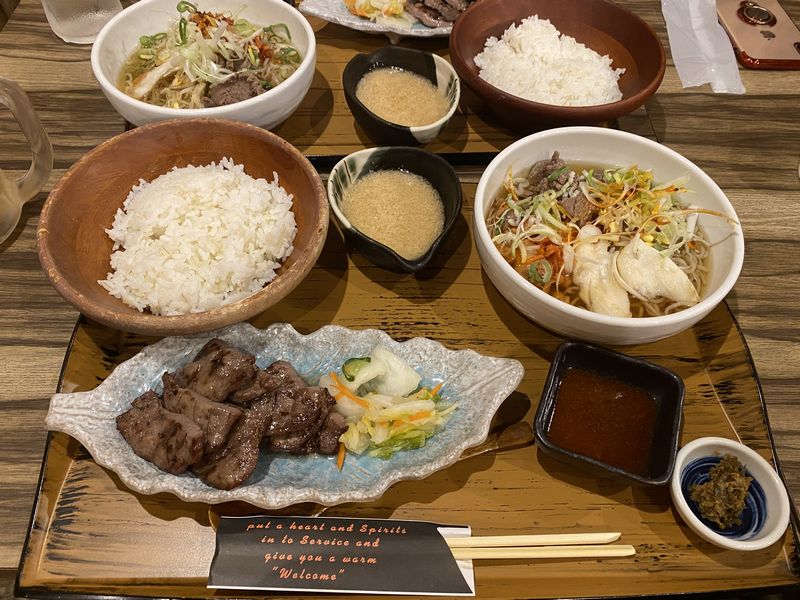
(120, 37)
(609, 148)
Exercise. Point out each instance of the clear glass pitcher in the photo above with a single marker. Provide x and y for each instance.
(13, 194)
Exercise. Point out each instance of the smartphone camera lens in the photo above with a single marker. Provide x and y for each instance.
(754, 14)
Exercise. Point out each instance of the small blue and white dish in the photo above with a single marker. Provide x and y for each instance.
(766, 513)
(433, 68)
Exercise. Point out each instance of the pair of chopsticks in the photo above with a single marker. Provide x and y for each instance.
(568, 545)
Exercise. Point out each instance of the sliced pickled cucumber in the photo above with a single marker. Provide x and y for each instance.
(353, 365)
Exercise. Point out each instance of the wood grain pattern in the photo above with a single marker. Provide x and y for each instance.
(757, 130)
(86, 516)
(6, 8)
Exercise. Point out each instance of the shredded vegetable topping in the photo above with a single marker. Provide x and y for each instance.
(539, 222)
(385, 407)
(176, 68)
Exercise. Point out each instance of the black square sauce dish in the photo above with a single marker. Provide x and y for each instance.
(612, 413)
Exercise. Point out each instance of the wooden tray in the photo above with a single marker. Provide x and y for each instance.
(90, 536)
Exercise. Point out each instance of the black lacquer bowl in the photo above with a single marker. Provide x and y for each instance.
(430, 167)
(660, 384)
(433, 68)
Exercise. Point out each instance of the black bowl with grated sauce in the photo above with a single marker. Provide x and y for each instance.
(432, 168)
(429, 66)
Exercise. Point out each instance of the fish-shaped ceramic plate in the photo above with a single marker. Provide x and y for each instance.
(335, 11)
(478, 383)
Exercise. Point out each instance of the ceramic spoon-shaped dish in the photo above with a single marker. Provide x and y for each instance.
(430, 167)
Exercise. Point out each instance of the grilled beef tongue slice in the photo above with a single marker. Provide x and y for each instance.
(279, 374)
(306, 440)
(214, 418)
(147, 400)
(443, 8)
(428, 16)
(297, 408)
(233, 463)
(459, 5)
(296, 440)
(332, 429)
(218, 370)
(323, 437)
(326, 440)
(170, 441)
(308, 448)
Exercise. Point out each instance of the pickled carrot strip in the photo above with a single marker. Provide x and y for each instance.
(343, 391)
(340, 456)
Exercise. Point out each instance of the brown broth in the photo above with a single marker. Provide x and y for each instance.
(605, 419)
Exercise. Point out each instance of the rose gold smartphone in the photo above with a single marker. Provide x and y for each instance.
(763, 35)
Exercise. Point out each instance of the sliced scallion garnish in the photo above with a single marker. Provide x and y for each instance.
(184, 6)
(540, 271)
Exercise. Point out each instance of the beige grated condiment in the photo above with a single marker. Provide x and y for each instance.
(401, 97)
(398, 209)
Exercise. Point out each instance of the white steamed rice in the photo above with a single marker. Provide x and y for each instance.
(197, 238)
(534, 61)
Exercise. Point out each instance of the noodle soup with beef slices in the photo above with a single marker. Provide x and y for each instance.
(610, 240)
(205, 59)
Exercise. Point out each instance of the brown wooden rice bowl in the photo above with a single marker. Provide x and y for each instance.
(600, 25)
(75, 250)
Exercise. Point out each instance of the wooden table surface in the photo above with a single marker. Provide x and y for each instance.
(748, 144)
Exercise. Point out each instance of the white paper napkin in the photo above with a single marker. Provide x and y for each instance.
(700, 47)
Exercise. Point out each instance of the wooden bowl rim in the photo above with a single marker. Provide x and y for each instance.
(150, 324)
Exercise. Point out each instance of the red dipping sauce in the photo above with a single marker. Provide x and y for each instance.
(604, 418)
